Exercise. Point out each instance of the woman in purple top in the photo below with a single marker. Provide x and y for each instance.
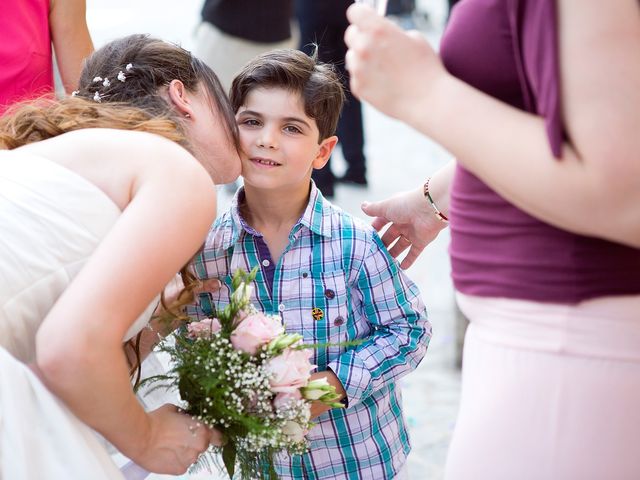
(538, 100)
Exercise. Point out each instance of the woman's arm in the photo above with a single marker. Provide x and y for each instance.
(71, 39)
(79, 345)
(594, 189)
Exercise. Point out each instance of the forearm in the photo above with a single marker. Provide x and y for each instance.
(71, 39)
(93, 381)
(363, 370)
(573, 193)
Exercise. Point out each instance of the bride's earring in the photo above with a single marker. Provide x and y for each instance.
(187, 115)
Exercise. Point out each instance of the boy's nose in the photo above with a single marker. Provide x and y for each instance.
(267, 139)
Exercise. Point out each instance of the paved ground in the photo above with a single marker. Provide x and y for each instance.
(398, 158)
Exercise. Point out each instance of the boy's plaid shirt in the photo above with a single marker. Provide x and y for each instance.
(338, 267)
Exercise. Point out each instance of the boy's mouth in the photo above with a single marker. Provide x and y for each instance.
(264, 162)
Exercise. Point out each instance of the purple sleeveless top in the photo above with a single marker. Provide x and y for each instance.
(509, 50)
(26, 67)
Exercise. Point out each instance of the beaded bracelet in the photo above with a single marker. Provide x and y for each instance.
(441, 216)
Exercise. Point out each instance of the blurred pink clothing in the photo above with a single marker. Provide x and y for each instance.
(26, 67)
(549, 391)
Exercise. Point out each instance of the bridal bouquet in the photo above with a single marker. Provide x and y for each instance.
(243, 374)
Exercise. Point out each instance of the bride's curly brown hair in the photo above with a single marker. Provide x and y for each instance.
(137, 69)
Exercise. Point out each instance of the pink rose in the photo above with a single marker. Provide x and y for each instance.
(204, 328)
(255, 331)
(290, 370)
(283, 399)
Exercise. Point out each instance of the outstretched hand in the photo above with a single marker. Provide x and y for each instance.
(413, 224)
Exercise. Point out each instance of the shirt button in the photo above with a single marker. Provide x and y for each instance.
(305, 274)
(281, 307)
(338, 321)
(266, 262)
(330, 294)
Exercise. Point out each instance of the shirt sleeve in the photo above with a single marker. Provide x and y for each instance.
(401, 330)
(537, 33)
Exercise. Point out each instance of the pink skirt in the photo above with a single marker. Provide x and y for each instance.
(549, 392)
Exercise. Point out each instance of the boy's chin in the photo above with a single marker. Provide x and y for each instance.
(280, 184)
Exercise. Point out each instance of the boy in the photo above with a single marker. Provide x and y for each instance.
(326, 273)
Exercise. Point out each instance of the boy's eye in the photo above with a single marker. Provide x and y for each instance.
(292, 129)
(250, 122)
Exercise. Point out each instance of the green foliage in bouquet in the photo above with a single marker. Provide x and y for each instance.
(228, 379)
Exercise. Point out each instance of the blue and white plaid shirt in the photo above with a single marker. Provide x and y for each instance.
(338, 266)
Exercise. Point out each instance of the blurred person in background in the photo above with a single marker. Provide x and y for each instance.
(28, 28)
(232, 32)
(323, 23)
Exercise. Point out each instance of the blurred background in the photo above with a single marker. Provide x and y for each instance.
(397, 158)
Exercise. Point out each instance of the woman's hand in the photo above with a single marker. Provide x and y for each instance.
(174, 442)
(176, 286)
(413, 223)
(388, 67)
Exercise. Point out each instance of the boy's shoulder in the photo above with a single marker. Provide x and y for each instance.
(343, 222)
(222, 233)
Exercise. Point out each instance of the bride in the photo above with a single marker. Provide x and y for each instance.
(100, 205)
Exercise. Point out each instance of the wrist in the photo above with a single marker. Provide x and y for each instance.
(425, 111)
(421, 209)
(429, 199)
(137, 445)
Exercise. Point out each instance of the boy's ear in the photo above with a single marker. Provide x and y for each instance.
(180, 98)
(324, 152)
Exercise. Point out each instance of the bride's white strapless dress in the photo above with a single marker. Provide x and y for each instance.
(51, 221)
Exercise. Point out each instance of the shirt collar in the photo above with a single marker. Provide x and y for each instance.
(316, 217)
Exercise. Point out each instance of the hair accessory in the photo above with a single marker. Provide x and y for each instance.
(121, 76)
(106, 82)
(75, 93)
(97, 79)
(129, 67)
(441, 216)
(96, 97)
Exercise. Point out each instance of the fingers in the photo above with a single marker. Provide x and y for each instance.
(362, 15)
(210, 285)
(216, 437)
(399, 246)
(349, 61)
(390, 235)
(416, 35)
(379, 223)
(200, 436)
(411, 257)
(373, 209)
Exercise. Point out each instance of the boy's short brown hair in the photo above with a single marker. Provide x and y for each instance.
(317, 83)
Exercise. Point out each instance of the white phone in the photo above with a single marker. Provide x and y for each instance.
(379, 6)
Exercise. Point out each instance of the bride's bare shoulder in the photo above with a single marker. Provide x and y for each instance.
(110, 140)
